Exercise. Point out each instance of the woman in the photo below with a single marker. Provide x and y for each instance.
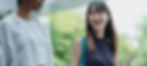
(99, 47)
(24, 38)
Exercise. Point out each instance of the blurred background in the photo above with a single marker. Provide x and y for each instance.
(67, 18)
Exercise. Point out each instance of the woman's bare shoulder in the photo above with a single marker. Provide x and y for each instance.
(78, 43)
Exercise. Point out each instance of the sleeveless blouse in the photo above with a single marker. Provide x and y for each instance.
(102, 57)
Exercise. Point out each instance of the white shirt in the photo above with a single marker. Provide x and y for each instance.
(25, 42)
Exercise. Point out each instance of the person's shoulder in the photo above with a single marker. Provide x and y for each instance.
(8, 18)
(44, 21)
(78, 42)
(7, 21)
(81, 39)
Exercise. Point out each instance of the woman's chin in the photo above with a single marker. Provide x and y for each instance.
(98, 28)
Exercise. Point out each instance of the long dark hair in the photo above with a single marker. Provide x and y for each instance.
(19, 2)
(110, 33)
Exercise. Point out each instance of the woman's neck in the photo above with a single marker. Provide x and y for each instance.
(24, 12)
(100, 34)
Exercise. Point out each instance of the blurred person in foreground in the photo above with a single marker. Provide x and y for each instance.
(24, 38)
(98, 47)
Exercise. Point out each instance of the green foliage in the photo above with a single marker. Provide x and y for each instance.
(142, 41)
(125, 50)
(66, 27)
(1, 17)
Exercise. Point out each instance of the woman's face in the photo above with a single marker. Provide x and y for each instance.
(98, 20)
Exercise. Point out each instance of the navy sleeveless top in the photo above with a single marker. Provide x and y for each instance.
(103, 56)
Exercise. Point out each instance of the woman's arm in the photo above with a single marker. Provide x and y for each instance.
(76, 54)
(115, 60)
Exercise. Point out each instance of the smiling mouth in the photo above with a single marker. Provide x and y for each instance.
(98, 22)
